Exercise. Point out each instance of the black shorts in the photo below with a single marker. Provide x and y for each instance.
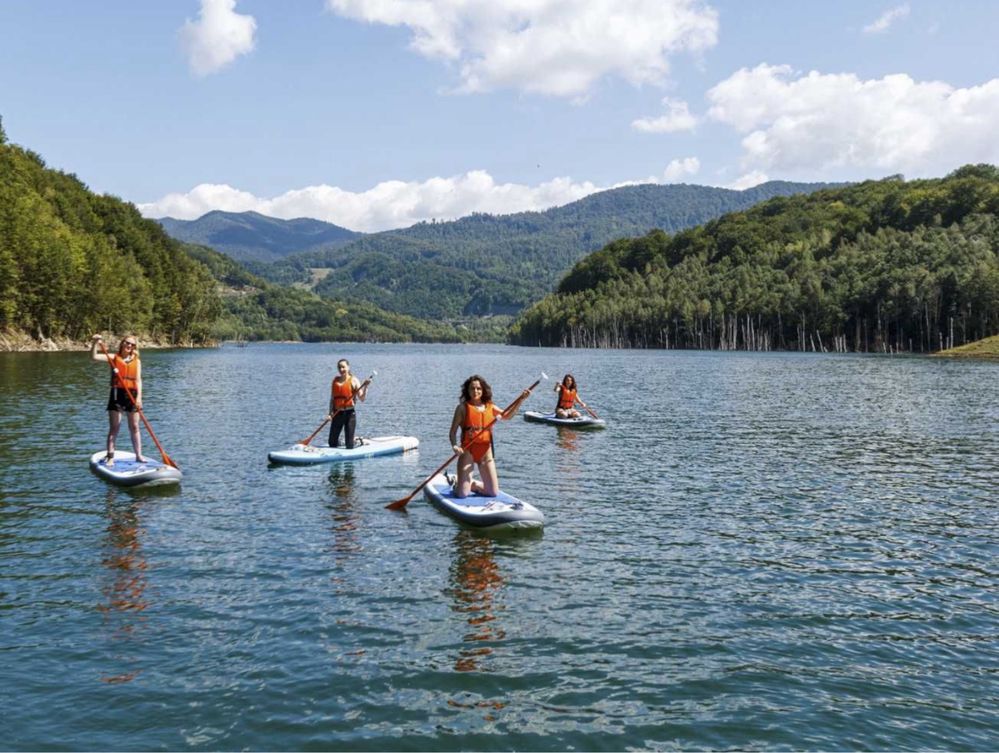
(120, 401)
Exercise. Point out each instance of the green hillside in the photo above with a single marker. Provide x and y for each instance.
(485, 264)
(73, 263)
(881, 266)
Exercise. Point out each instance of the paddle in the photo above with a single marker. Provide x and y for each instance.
(167, 460)
(399, 504)
(587, 408)
(332, 415)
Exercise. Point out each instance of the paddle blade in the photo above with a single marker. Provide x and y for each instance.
(399, 504)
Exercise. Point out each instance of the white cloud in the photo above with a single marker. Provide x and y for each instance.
(396, 203)
(807, 124)
(218, 37)
(748, 180)
(679, 168)
(886, 19)
(677, 118)
(556, 47)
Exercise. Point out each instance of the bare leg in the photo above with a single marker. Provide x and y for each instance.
(114, 421)
(490, 481)
(133, 429)
(463, 485)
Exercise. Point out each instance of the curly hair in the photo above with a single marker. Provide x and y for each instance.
(487, 391)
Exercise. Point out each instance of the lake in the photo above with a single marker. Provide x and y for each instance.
(762, 551)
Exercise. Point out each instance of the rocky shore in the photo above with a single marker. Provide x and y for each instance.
(15, 341)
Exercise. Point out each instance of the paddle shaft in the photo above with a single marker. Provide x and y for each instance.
(587, 408)
(401, 503)
(167, 460)
(331, 416)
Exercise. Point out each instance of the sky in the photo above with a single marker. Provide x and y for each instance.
(377, 114)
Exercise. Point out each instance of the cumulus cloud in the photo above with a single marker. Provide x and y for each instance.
(677, 118)
(680, 168)
(218, 37)
(554, 47)
(804, 124)
(886, 19)
(748, 180)
(396, 203)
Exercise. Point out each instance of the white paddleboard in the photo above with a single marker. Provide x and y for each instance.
(500, 512)
(583, 422)
(301, 454)
(125, 471)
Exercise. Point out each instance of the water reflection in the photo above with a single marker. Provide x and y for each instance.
(344, 512)
(475, 584)
(125, 589)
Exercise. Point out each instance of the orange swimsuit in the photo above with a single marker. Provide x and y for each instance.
(475, 424)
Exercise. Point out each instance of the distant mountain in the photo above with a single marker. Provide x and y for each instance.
(485, 264)
(250, 236)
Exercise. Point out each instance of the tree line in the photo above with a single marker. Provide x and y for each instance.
(880, 266)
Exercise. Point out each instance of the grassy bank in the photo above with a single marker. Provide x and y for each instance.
(987, 348)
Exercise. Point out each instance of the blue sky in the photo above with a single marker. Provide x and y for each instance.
(380, 113)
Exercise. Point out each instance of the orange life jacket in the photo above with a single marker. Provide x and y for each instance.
(566, 397)
(476, 423)
(128, 373)
(343, 394)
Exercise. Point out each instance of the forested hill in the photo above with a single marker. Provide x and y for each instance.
(249, 236)
(485, 264)
(73, 263)
(880, 266)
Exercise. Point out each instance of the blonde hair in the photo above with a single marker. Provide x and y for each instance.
(121, 345)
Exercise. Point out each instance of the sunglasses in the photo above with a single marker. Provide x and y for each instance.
(131, 345)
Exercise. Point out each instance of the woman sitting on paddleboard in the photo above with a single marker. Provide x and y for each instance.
(344, 389)
(474, 413)
(129, 375)
(567, 398)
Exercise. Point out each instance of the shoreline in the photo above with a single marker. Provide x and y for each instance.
(21, 342)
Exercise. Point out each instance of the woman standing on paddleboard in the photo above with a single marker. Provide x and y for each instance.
(343, 390)
(126, 375)
(474, 413)
(567, 398)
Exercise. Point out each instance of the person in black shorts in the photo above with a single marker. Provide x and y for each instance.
(126, 376)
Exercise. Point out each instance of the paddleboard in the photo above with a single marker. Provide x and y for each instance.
(303, 454)
(500, 512)
(127, 472)
(583, 422)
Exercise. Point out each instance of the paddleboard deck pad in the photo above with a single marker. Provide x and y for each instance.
(125, 471)
(303, 454)
(500, 512)
(583, 422)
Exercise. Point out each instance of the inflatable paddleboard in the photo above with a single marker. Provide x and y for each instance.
(501, 512)
(583, 422)
(127, 472)
(303, 454)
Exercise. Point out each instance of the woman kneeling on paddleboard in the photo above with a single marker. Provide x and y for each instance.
(474, 413)
(567, 398)
(343, 390)
(126, 376)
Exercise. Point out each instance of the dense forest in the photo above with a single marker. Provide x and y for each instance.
(485, 264)
(880, 266)
(73, 263)
(254, 309)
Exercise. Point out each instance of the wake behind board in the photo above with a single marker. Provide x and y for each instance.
(303, 454)
(500, 512)
(126, 472)
(583, 422)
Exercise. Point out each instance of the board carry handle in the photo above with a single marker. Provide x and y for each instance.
(167, 460)
(400, 504)
(332, 415)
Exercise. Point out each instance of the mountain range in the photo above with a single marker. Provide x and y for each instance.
(250, 236)
(478, 265)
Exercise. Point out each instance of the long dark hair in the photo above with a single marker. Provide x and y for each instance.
(566, 379)
(487, 391)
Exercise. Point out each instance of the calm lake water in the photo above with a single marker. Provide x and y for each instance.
(762, 551)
